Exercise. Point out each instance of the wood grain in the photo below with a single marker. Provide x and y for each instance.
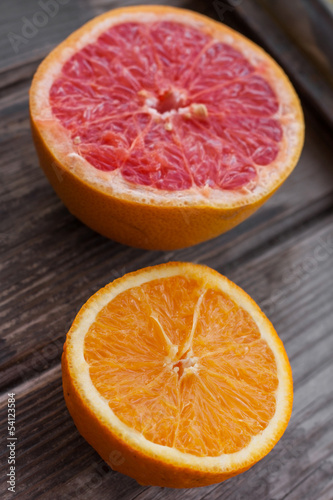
(51, 264)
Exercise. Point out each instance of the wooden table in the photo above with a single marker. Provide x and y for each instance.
(51, 263)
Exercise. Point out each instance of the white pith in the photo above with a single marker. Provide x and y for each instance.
(79, 370)
(59, 142)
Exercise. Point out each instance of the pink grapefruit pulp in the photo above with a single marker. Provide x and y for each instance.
(161, 107)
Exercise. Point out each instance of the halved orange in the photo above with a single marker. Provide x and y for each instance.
(176, 377)
(160, 128)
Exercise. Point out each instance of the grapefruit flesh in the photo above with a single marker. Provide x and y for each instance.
(169, 107)
(161, 128)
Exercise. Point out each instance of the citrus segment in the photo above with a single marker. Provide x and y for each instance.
(179, 365)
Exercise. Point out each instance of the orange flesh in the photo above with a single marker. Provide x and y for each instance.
(183, 365)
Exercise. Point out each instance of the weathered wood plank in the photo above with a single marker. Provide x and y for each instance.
(29, 30)
(54, 458)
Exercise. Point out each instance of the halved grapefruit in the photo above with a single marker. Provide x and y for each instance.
(161, 128)
(176, 377)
